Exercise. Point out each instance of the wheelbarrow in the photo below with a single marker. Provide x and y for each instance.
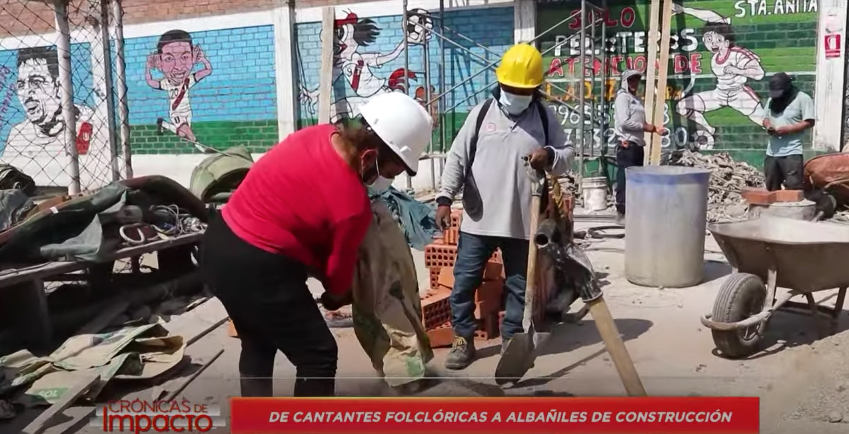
(771, 253)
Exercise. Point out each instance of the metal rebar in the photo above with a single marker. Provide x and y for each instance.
(63, 48)
(107, 78)
(406, 67)
(592, 86)
(426, 58)
(121, 84)
(572, 15)
(581, 96)
(490, 64)
(569, 38)
(441, 99)
(603, 101)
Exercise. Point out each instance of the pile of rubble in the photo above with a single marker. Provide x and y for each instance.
(727, 179)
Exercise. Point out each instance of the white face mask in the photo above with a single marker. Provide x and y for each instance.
(380, 184)
(514, 104)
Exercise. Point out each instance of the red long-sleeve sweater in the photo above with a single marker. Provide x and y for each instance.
(303, 201)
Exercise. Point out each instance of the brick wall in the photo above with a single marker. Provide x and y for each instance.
(779, 38)
(490, 27)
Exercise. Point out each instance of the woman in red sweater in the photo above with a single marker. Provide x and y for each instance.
(303, 211)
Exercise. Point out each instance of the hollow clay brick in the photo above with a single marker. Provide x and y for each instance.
(441, 336)
(438, 255)
(758, 196)
(789, 195)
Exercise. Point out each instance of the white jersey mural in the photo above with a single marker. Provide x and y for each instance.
(352, 38)
(35, 140)
(176, 57)
(41, 134)
(733, 67)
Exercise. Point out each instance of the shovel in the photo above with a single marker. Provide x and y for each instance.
(520, 353)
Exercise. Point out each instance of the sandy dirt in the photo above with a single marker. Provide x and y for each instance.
(803, 380)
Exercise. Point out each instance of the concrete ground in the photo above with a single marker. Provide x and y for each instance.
(802, 380)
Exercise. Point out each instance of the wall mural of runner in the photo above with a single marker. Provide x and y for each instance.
(721, 57)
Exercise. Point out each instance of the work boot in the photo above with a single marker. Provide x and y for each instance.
(462, 353)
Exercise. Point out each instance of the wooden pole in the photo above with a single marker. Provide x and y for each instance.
(651, 72)
(616, 348)
(328, 16)
(660, 97)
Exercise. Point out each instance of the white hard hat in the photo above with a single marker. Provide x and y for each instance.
(402, 123)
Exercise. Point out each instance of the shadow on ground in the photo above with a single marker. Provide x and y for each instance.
(716, 270)
(569, 337)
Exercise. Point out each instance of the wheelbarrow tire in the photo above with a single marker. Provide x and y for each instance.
(739, 295)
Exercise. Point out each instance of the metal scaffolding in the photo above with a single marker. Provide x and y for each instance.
(592, 34)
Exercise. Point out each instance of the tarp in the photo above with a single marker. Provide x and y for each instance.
(218, 175)
(387, 307)
(131, 353)
(832, 171)
(418, 220)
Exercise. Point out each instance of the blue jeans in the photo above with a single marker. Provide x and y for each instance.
(473, 252)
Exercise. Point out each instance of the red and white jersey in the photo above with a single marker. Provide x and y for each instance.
(26, 140)
(737, 57)
(360, 78)
(178, 95)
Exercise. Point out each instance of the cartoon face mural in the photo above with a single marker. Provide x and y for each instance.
(709, 105)
(354, 60)
(38, 91)
(176, 57)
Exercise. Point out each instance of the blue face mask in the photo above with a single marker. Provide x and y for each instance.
(514, 104)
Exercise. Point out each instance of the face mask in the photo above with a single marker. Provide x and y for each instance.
(380, 184)
(514, 104)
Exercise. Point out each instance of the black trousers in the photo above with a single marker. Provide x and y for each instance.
(267, 298)
(625, 158)
(787, 170)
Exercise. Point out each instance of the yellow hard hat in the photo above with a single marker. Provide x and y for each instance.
(520, 67)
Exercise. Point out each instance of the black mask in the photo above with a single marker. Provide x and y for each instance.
(781, 92)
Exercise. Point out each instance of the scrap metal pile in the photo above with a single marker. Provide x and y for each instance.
(728, 178)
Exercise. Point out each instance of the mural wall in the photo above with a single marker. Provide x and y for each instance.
(213, 81)
(32, 128)
(371, 59)
(212, 88)
(722, 54)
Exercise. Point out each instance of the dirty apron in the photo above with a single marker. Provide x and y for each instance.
(387, 307)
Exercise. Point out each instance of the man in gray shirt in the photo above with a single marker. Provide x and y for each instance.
(790, 114)
(486, 161)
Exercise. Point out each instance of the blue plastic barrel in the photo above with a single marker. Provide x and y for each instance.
(665, 225)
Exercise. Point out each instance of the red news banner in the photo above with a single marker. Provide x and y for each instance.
(494, 415)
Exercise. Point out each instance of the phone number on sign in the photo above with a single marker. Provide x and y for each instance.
(677, 137)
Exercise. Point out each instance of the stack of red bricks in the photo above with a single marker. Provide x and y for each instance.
(440, 257)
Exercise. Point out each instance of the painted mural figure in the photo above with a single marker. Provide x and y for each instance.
(38, 88)
(733, 67)
(352, 36)
(176, 57)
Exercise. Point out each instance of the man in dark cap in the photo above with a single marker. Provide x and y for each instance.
(789, 115)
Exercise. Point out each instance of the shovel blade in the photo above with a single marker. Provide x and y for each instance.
(518, 357)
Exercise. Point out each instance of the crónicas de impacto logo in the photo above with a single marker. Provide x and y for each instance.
(139, 416)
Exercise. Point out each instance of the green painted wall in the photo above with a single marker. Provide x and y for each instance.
(775, 36)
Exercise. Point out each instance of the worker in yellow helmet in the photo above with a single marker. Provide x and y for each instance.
(486, 162)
